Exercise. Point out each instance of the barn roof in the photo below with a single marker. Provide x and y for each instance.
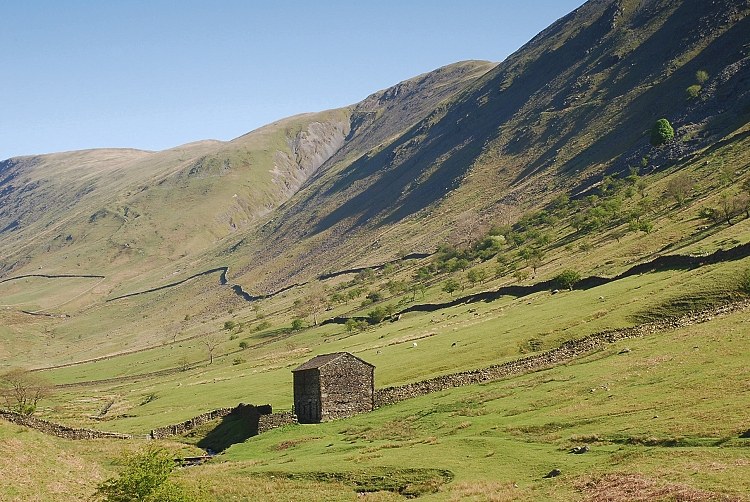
(323, 359)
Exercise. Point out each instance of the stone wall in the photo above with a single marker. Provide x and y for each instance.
(187, 425)
(306, 389)
(346, 388)
(274, 420)
(266, 420)
(565, 352)
(58, 430)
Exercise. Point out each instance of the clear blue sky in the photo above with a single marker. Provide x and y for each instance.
(153, 74)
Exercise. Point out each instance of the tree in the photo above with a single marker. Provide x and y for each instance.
(743, 283)
(701, 76)
(534, 257)
(567, 279)
(316, 300)
(183, 363)
(145, 478)
(211, 342)
(693, 91)
(467, 229)
(742, 202)
(680, 187)
(521, 275)
(22, 390)
(243, 345)
(728, 208)
(450, 286)
(352, 324)
(662, 132)
(377, 315)
(476, 275)
(297, 324)
(312, 303)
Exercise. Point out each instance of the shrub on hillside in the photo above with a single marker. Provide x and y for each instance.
(567, 279)
(146, 477)
(662, 132)
(450, 286)
(679, 187)
(743, 283)
(693, 91)
(476, 275)
(377, 315)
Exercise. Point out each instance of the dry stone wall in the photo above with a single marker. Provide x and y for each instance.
(266, 420)
(59, 430)
(274, 420)
(565, 352)
(187, 425)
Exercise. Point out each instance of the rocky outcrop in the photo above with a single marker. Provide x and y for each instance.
(308, 150)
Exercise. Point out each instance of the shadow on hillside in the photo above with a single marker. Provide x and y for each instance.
(236, 427)
(661, 263)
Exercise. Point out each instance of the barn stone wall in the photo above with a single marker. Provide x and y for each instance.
(307, 396)
(346, 388)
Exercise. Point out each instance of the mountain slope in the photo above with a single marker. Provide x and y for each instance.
(128, 212)
(570, 106)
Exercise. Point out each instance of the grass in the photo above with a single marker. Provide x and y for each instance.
(652, 391)
(484, 333)
(40, 467)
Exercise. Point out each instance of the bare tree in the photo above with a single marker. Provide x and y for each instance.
(467, 230)
(211, 342)
(22, 390)
(680, 187)
(314, 302)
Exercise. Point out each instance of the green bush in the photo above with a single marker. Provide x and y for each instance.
(450, 286)
(662, 132)
(297, 324)
(476, 275)
(146, 478)
(693, 91)
(567, 279)
(377, 315)
(352, 324)
(263, 325)
(744, 281)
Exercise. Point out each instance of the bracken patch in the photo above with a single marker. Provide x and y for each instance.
(622, 487)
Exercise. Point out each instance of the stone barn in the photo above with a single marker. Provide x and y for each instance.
(333, 386)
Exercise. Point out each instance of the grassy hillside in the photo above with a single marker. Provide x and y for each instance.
(148, 287)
